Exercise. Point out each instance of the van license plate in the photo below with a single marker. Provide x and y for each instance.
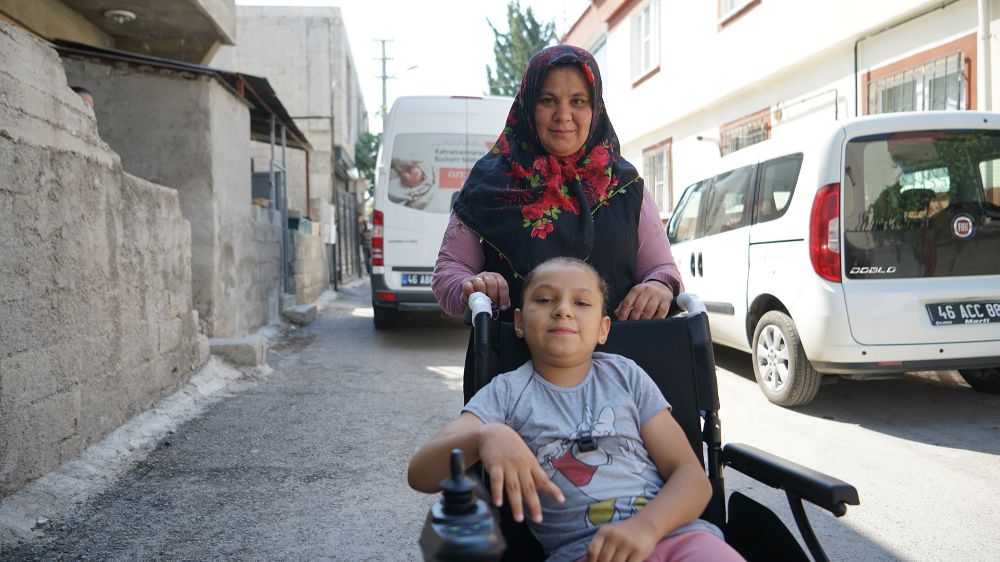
(416, 279)
(948, 313)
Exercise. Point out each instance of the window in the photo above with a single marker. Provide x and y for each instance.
(684, 222)
(939, 84)
(940, 78)
(729, 7)
(744, 132)
(777, 183)
(730, 10)
(646, 40)
(727, 205)
(656, 172)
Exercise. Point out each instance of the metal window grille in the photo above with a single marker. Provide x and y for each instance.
(656, 173)
(938, 84)
(743, 135)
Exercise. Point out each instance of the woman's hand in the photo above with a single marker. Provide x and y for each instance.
(493, 284)
(631, 540)
(646, 300)
(514, 470)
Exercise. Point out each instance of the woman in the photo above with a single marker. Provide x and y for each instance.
(555, 184)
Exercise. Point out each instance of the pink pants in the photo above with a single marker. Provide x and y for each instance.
(693, 546)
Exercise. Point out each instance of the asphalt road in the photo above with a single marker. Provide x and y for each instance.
(309, 464)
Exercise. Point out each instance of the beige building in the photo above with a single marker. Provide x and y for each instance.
(305, 54)
(686, 81)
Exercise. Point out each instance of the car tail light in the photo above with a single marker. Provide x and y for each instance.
(385, 296)
(824, 233)
(378, 239)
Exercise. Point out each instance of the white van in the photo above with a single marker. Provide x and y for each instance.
(429, 145)
(870, 247)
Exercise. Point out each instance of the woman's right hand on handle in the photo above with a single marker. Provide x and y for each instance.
(493, 284)
(514, 471)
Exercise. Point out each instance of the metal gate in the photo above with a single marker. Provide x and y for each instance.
(347, 260)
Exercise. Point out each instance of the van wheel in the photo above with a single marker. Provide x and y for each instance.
(779, 363)
(385, 318)
(983, 380)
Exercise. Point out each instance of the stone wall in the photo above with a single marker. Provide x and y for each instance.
(96, 314)
(190, 133)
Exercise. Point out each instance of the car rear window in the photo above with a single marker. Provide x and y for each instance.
(922, 204)
(427, 170)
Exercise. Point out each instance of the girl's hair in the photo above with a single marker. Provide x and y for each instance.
(602, 285)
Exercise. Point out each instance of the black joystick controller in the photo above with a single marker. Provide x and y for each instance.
(461, 527)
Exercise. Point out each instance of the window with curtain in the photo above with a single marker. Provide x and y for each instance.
(936, 84)
(656, 174)
(645, 39)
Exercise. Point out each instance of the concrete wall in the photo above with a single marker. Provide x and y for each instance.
(309, 266)
(190, 133)
(302, 51)
(96, 314)
(52, 18)
(293, 53)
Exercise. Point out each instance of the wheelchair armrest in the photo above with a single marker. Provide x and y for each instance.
(820, 489)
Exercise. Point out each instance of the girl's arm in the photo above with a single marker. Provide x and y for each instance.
(683, 497)
(512, 466)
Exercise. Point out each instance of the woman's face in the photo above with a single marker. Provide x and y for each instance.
(563, 112)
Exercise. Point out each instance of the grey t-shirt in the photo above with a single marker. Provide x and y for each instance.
(607, 484)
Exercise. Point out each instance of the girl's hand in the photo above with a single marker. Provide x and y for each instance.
(630, 540)
(493, 284)
(644, 301)
(514, 470)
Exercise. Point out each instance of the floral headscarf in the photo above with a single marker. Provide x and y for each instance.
(530, 205)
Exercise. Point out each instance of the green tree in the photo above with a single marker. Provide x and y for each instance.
(513, 50)
(365, 154)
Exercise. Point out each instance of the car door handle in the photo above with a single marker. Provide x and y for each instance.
(692, 263)
(701, 270)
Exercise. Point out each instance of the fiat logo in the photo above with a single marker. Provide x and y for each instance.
(963, 227)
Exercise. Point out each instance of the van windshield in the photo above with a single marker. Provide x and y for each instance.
(922, 204)
(427, 170)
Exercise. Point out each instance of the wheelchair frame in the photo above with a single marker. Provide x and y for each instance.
(798, 482)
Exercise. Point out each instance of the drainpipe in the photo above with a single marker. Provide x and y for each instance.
(984, 94)
(308, 192)
(857, 94)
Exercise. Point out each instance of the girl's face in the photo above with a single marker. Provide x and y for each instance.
(563, 112)
(562, 319)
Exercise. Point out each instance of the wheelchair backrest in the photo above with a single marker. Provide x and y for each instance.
(676, 352)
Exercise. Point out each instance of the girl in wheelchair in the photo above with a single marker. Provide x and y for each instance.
(582, 441)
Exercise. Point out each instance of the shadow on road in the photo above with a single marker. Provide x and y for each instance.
(912, 407)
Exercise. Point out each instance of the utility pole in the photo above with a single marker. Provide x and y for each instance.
(385, 110)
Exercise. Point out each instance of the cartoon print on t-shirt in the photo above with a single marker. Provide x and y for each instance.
(567, 464)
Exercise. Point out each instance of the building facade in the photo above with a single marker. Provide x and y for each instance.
(688, 82)
(305, 54)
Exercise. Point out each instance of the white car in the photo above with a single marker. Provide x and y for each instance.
(868, 248)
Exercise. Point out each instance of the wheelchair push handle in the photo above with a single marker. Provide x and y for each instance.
(480, 303)
(690, 304)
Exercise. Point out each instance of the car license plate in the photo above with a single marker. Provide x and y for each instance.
(416, 279)
(948, 313)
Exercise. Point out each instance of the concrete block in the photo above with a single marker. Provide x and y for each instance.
(248, 352)
(302, 314)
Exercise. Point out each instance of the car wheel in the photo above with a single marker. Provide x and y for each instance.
(779, 363)
(385, 318)
(983, 380)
